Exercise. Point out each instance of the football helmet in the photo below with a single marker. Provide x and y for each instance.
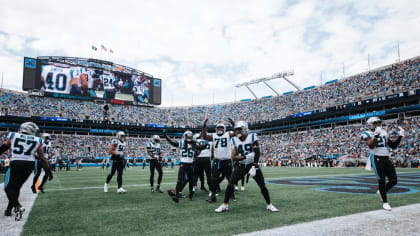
(187, 136)
(155, 138)
(241, 128)
(29, 128)
(220, 128)
(371, 122)
(121, 135)
(46, 136)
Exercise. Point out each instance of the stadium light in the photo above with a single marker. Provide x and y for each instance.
(264, 80)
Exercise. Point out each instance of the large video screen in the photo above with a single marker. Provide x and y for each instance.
(58, 79)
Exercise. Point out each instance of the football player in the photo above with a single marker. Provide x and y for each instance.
(56, 78)
(24, 145)
(203, 163)
(109, 85)
(378, 142)
(222, 162)
(117, 161)
(188, 150)
(246, 151)
(140, 89)
(46, 147)
(154, 151)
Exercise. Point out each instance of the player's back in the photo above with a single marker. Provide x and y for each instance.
(56, 79)
(23, 146)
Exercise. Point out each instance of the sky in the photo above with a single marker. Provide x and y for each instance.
(202, 49)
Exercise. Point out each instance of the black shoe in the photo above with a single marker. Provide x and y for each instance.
(233, 197)
(41, 189)
(33, 189)
(8, 213)
(19, 212)
(204, 189)
(159, 190)
(152, 190)
(191, 196)
(218, 190)
(175, 199)
(212, 198)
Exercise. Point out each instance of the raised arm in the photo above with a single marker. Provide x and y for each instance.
(170, 141)
(204, 132)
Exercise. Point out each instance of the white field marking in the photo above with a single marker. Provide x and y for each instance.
(101, 187)
(402, 220)
(8, 225)
(329, 175)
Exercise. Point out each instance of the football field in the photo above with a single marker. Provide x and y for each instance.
(75, 204)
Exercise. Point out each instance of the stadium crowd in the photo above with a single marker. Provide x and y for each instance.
(392, 79)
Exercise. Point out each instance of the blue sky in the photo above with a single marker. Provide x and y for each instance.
(204, 48)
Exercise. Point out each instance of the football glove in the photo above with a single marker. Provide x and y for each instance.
(253, 171)
(401, 131)
(250, 155)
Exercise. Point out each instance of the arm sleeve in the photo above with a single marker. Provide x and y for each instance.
(257, 152)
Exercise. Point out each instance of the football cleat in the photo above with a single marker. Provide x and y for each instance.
(33, 189)
(19, 212)
(222, 208)
(379, 195)
(272, 208)
(212, 198)
(233, 197)
(121, 190)
(387, 207)
(242, 188)
(41, 189)
(152, 190)
(236, 188)
(159, 190)
(105, 188)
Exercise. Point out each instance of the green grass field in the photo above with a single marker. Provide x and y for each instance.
(67, 209)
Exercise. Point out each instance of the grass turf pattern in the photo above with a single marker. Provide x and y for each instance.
(67, 209)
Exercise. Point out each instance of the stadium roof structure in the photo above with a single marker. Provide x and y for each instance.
(264, 80)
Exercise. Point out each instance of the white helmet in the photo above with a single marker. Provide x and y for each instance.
(187, 136)
(155, 138)
(242, 126)
(46, 136)
(120, 135)
(220, 125)
(29, 128)
(371, 122)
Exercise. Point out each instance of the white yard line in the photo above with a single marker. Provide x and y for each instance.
(403, 220)
(8, 225)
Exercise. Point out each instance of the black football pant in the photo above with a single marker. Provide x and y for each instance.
(202, 165)
(16, 176)
(185, 174)
(383, 168)
(223, 167)
(155, 164)
(116, 165)
(239, 172)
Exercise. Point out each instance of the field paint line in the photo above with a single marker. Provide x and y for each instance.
(402, 220)
(101, 187)
(8, 225)
(329, 175)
